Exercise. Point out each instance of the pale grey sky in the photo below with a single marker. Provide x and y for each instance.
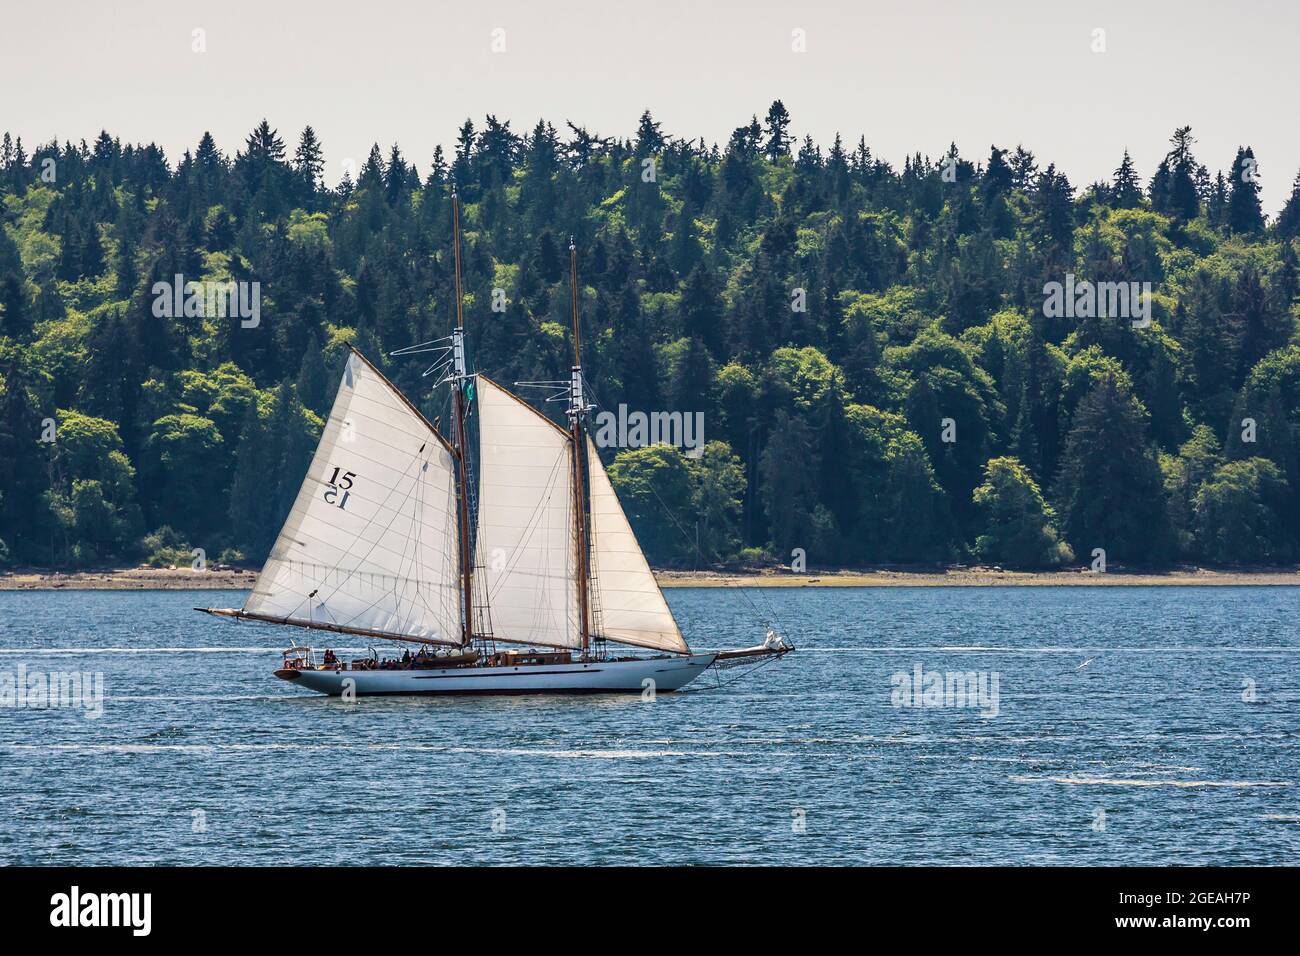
(912, 75)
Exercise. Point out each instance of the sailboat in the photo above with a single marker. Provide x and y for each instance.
(390, 539)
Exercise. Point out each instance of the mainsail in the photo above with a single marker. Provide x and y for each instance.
(632, 608)
(371, 544)
(526, 522)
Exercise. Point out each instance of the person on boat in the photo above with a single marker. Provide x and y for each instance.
(406, 658)
(329, 656)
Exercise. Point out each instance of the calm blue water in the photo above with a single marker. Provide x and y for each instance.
(201, 756)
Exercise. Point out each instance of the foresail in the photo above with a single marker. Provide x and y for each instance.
(525, 522)
(371, 542)
(632, 608)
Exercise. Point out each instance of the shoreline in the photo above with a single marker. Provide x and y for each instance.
(982, 577)
(179, 579)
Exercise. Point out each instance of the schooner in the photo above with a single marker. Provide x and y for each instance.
(389, 540)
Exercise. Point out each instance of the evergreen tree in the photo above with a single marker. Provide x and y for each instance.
(252, 497)
(20, 473)
(395, 177)
(778, 132)
(15, 315)
(1024, 169)
(718, 480)
(649, 137)
(1110, 492)
(314, 379)
(1127, 193)
(309, 161)
(865, 303)
(787, 470)
(702, 310)
(1183, 199)
(207, 158)
(1288, 221)
(1245, 213)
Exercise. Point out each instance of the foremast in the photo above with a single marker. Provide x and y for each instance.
(577, 413)
(460, 381)
(452, 368)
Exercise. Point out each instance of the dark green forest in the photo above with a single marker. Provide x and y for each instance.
(881, 376)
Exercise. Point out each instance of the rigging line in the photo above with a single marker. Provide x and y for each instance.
(531, 525)
(570, 566)
(417, 548)
(302, 533)
(356, 569)
(771, 614)
(741, 674)
(419, 347)
(421, 587)
(326, 610)
(399, 580)
(413, 546)
(358, 496)
(369, 606)
(543, 614)
(369, 522)
(771, 617)
(356, 537)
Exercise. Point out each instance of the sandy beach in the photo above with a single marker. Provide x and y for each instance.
(125, 579)
(146, 579)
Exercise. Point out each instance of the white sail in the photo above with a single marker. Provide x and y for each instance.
(632, 608)
(371, 542)
(526, 534)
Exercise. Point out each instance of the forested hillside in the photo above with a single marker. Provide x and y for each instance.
(882, 373)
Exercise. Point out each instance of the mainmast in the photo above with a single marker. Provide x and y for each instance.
(460, 378)
(577, 411)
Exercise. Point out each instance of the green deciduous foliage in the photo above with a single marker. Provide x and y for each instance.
(1237, 513)
(902, 513)
(718, 480)
(184, 459)
(1019, 527)
(92, 500)
(1184, 474)
(685, 511)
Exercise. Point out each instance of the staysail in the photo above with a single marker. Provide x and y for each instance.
(632, 608)
(525, 522)
(371, 543)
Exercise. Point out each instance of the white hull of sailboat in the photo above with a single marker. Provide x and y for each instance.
(592, 677)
